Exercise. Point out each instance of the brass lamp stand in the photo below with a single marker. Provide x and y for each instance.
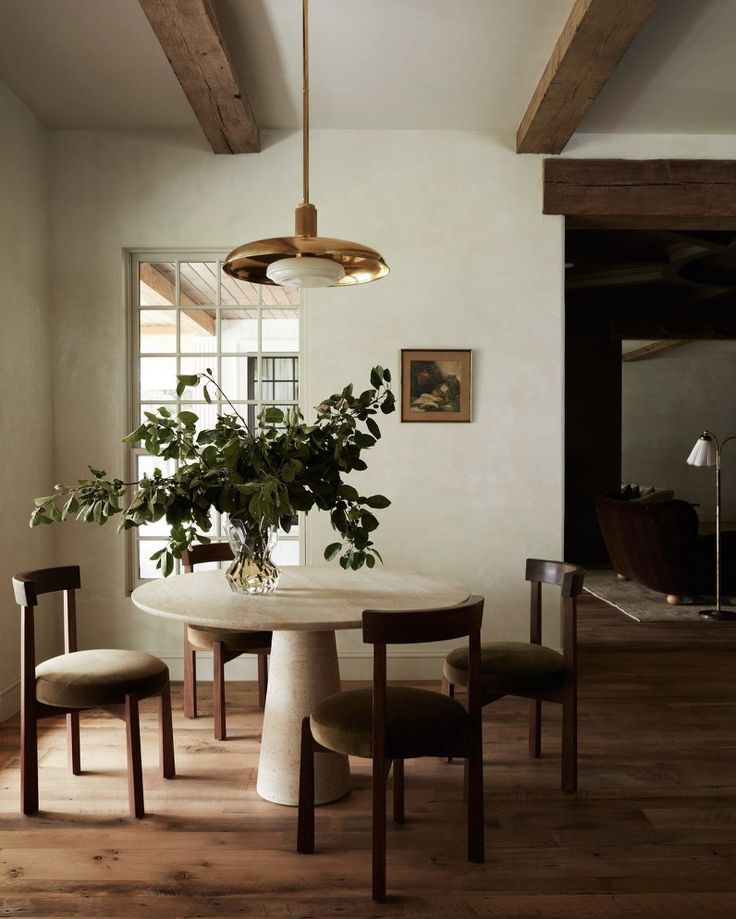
(707, 452)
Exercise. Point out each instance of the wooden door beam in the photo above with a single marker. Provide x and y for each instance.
(592, 42)
(671, 193)
(194, 44)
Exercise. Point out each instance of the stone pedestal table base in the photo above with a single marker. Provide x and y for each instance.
(303, 671)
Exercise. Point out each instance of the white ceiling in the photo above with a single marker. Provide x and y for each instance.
(89, 64)
(678, 76)
(393, 64)
(386, 64)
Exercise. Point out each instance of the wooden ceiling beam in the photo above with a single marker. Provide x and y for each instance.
(592, 42)
(157, 281)
(190, 35)
(199, 321)
(194, 320)
(656, 347)
(617, 276)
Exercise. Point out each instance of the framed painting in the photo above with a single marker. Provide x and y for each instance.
(435, 385)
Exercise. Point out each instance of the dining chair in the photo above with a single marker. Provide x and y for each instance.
(76, 681)
(392, 724)
(225, 645)
(532, 670)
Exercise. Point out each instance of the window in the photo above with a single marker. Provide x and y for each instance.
(189, 315)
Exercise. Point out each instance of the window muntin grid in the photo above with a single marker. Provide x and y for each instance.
(187, 316)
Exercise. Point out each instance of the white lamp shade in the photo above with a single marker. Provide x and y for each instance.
(703, 453)
(305, 272)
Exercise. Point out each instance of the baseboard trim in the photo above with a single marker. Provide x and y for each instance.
(9, 700)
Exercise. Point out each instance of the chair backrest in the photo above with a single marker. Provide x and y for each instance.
(570, 579)
(28, 586)
(384, 627)
(207, 552)
(390, 627)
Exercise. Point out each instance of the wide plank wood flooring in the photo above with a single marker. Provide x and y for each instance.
(651, 833)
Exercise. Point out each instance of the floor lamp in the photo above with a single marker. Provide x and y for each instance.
(707, 452)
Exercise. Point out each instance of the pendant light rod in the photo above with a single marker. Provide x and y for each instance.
(305, 98)
(305, 217)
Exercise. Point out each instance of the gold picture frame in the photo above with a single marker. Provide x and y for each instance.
(435, 385)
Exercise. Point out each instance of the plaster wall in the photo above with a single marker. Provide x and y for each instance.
(26, 418)
(458, 218)
(474, 264)
(667, 401)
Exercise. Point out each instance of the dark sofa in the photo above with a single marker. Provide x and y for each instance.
(658, 546)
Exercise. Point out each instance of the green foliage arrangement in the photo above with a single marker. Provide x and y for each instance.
(260, 477)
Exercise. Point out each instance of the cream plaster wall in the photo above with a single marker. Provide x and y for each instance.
(474, 264)
(667, 401)
(458, 217)
(653, 146)
(26, 418)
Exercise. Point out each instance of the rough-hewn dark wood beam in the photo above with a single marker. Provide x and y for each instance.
(679, 193)
(194, 44)
(592, 42)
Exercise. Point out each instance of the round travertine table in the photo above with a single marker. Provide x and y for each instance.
(304, 612)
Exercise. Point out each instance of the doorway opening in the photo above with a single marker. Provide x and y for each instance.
(650, 362)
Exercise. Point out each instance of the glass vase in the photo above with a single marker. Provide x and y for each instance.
(252, 570)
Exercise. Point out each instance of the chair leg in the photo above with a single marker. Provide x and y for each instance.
(379, 830)
(262, 678)
(166, 735)
(570, 740)
(535, 728)
(398, 791)
(72, 743)
(305, 817)
(447, 689)
(218, 688)
(135, 769)
(190, 678)
(28, 761)
(476, 826)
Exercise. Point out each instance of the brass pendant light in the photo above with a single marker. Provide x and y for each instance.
(305, 259)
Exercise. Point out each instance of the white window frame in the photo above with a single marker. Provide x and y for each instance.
(133, 258)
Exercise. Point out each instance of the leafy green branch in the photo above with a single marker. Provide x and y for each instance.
(261, 477)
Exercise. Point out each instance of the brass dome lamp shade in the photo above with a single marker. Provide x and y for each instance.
(305, 259)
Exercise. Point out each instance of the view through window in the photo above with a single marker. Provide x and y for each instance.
(188, 315)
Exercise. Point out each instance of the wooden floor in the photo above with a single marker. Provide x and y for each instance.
(651, 833)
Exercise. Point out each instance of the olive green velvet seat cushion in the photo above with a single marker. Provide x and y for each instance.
(507, 665)
(94, 679)
(203, 638)
(418, 723)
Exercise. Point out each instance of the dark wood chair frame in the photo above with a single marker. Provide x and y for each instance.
(28, 586)
(198, 555)
(569, 578)
(381, 628)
